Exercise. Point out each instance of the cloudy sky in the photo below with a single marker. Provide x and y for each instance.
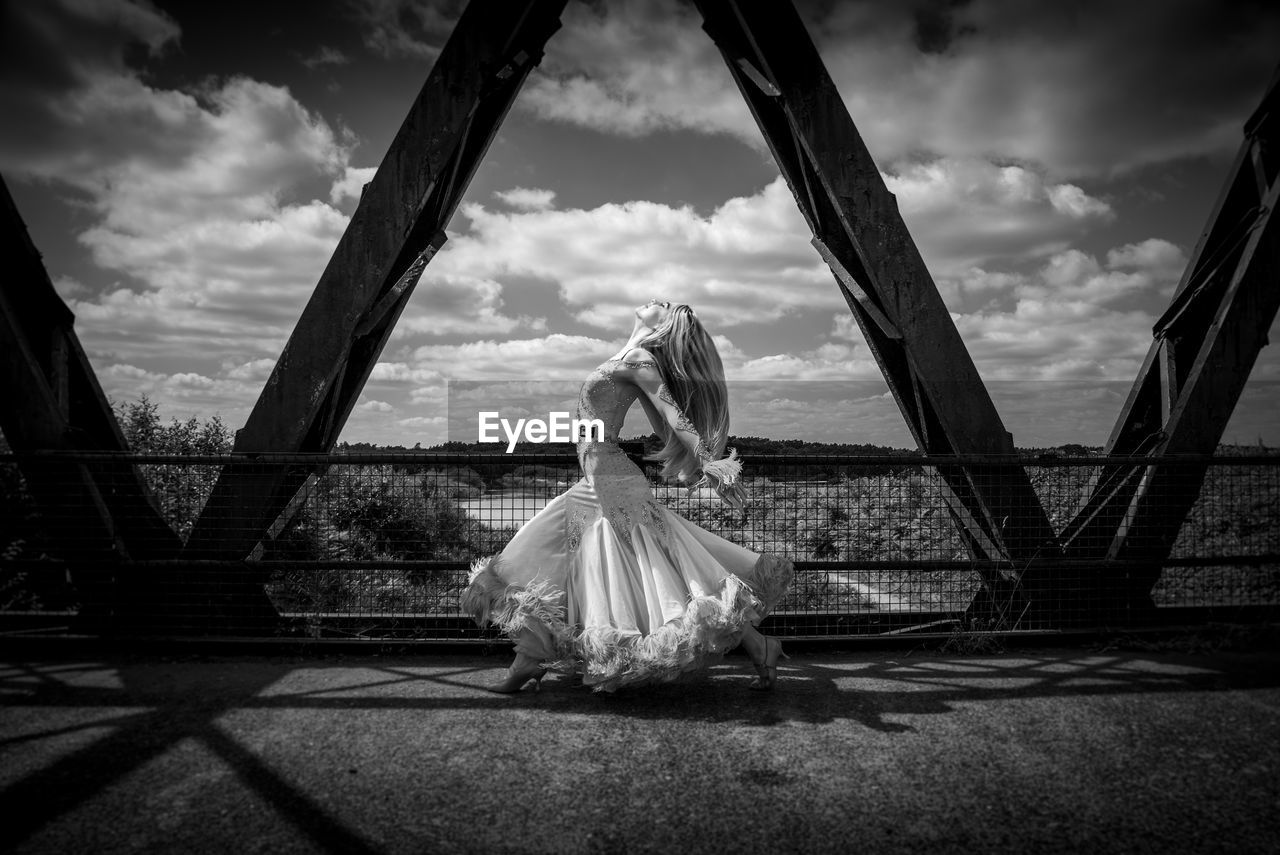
(187, 168)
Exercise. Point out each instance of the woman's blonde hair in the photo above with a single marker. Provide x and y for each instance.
(691, 370)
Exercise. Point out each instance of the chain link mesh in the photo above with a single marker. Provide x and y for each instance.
(379, 545)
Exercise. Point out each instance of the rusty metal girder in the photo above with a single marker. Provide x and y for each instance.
(860, 234)
(98, 514)
(397, 227)
(1203, 348)
(103, 511)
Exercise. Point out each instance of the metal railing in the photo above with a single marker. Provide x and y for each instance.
(379, 545)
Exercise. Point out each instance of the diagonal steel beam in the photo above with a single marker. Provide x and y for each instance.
(399, 223)
(858, 231)
(103, 510)
(1203, 348)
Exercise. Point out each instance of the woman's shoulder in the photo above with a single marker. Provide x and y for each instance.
(638, 356)
(637, 364)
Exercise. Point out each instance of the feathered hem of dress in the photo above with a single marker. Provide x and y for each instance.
(770, 578)
(608, 658)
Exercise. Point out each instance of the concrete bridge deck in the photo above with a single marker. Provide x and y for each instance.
(1039, 749)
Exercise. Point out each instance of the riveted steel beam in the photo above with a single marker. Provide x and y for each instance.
(861, 235)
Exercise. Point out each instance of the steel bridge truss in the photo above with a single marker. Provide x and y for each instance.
(1203, 349)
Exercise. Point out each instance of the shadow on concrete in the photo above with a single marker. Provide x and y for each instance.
(150, 705)
(820, 690)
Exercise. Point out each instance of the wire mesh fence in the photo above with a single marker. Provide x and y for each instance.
(380, 545)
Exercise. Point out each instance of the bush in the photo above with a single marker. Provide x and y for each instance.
(180, 489)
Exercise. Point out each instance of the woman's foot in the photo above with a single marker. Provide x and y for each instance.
(519, 674)
(766, 662)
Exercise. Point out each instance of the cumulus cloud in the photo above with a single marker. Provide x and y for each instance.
(828, 361)
(394, 372)
(1058, 360)
(1075, 317)
(184, 391)
(527, 199)
(560, 357)
(555, 356)
(407, 29)
(464, 379)
(846, 328)
(325, 55)
(419, 422)
(351, 184)
(460, 380)
(69, 288)
(1155, 255)
(1087, 90)
(450, 301)
(59, 46)
(1054, 340)
(1137, 273)
(750, 261)
(1075, 203)
(418, 383)
(747, 261)
(634, 68)
(994, 129)
(388, 428)
(257, 370)
(966, 213)
(197, 200)
(208, 287)
(147, 158)
(857, 411)
(189, 193)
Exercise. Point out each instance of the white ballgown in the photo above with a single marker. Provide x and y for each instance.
(607, 582)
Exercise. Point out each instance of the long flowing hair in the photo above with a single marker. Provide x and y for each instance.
(691, 370)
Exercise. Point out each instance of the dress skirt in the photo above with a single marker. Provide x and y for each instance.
(607, 582)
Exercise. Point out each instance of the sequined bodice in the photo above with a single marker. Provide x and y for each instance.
(621, 487)
(606, 398)
(612, 485)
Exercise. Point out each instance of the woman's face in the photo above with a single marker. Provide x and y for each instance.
(653, 312)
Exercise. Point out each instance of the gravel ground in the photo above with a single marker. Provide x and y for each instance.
(1038, 750)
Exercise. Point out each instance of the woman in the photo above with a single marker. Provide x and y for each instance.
(605, 580)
